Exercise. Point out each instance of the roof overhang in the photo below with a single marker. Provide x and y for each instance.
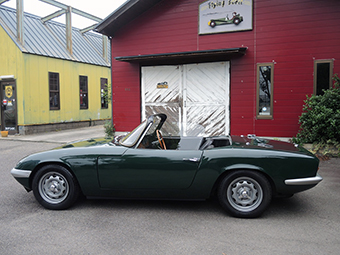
(124, 14)
(187, 56)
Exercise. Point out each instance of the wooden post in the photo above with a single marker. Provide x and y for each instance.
(69, 29)
(20, 21)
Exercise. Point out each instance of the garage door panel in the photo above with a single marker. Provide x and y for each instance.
(211, 123)
(206, 82)
(196, 99)
(168, 79)
(173, 122)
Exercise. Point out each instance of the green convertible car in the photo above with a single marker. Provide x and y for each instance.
(236, 19)
(243, 172)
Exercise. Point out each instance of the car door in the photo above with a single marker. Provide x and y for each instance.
(149, 169)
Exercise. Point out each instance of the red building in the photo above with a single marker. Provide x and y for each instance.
(238, 66)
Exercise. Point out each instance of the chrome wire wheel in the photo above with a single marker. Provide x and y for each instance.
(244, 194)
(53, 187)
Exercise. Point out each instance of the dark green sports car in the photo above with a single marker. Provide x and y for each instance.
(243, 172)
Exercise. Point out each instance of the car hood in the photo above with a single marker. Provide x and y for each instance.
(88, 142)
(76, 149)
(112, 141)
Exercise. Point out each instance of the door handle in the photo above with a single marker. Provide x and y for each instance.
(191, 159)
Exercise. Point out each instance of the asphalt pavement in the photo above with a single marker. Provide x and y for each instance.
(63, 136)
(307, 223)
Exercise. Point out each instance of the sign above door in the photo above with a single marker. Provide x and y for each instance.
(225, 16)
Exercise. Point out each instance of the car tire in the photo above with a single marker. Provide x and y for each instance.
(55, 188)
(245, 194)
(237, 21)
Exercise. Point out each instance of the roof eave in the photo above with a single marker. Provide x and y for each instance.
(123, 15)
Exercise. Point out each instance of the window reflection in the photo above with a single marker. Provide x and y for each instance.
(54, 91)
(83, 92)
(264, 90)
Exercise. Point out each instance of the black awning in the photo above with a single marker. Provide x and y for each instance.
(187, 56)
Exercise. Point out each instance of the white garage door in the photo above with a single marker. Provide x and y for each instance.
(195, 97)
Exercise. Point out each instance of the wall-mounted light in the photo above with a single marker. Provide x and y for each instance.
(6, 77)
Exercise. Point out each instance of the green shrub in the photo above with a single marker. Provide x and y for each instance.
(109, 127)
(320, 120)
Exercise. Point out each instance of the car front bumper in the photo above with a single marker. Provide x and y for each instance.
(23, 177)
(18, 173)
(304, 181)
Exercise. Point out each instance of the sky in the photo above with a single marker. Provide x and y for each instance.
(98, 8)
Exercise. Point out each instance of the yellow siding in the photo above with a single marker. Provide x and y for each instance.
(11, 62)
(31, 74)
(36, 90)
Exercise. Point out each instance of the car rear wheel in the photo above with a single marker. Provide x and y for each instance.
(245, 193)
(55, 188)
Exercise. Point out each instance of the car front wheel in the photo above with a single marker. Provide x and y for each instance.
(245, 194)
(212, 23)
(55, 188)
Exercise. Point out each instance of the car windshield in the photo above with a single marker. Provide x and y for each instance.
(131, 139)
(155, 123)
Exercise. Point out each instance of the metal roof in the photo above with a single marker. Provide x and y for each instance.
(49, 39)
(127, 12)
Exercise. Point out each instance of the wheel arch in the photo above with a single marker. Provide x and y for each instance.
(42, 164)
(230, 169)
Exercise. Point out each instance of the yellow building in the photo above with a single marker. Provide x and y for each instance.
(44, 85)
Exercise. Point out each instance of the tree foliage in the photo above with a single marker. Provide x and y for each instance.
(320, 120)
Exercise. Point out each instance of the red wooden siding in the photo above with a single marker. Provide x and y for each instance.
(291, 34)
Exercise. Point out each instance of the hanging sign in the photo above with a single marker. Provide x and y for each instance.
(8, 91)
(162, 85)
(225, 16)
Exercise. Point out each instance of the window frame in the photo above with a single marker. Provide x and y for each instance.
(83, 107)
(331, 66)
(259, 65)
(52, 108)
(103, 82)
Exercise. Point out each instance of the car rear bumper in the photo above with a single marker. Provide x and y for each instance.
(304, 181)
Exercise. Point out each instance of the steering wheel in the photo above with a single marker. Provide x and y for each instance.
(160, 139)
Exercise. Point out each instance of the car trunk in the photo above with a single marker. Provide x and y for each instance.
(251, 141)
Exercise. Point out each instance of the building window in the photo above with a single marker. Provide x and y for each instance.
(264, 95)
(104, 93)
(323, 72)
(53, 80)
(83, 90)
